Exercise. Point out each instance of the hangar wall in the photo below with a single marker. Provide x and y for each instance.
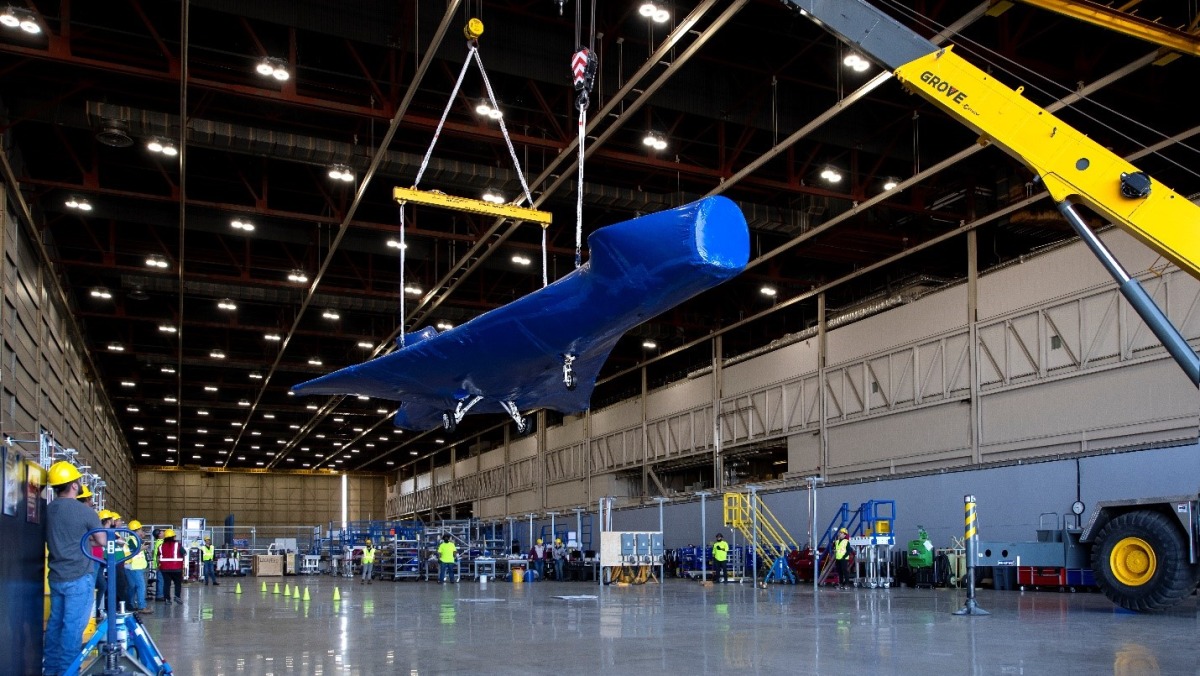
(1055, 365)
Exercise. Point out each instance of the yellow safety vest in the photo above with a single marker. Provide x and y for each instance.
(720, 550)
(138, 561)
(368, 555)
(446, 552)
(839, 549)
(206, 553)
(157, 544)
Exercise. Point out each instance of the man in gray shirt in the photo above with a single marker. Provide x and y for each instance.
(71, 574)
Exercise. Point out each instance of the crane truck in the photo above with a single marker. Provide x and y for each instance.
(1143, 552)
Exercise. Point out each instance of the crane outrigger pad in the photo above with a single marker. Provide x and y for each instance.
(471, 206)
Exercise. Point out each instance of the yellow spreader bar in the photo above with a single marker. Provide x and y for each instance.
(438, 199)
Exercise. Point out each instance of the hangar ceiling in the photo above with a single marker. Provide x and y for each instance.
(753, 100)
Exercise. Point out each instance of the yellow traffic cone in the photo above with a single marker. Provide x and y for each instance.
(264, 588)
(337, 594)
(287, 589)
(296, 593)
(276, 588)
(306, 596)
(238, 588)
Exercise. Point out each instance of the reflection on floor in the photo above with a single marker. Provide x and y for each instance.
(498, 628)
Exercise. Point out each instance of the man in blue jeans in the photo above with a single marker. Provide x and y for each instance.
(72, 580)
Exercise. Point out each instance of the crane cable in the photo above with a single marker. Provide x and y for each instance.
(473, 30)
(583, 71)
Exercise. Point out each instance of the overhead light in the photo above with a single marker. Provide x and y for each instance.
(486, 109)
(272, 337)
(132, 409)
(116, 347)
(226, 304)
(145, 455)
(654, 140)
(412, 290)
(217, 354)
(363, 397)
(167, 328)
(164, 146)
(19, 17)
(396, 244)
(156, 261)
(339, 419)
(239, 224)
(235, 424)
(365, 345)
(229, 440)
(201, 430)
(171, 437)
(171, 421)
(297, 276)
(830, 174)
(444, 326)
(128, 383)
(381, 411)
(493, 198)
(307, 465)
(273, 66)
(890, 184)
(412, 452)
(649, 345)
(647, 9)
(521, 260)
(331, 314)
(101, 292)
(397, 430)
(269, 416)
(169, 399)
(167, 369)
(139, 428)
(311, 407)
(768, 291)
(143, 443)
(244, 402)
(255, 375)
(201, 412)
(78, 203)
(210, 388)
(369, 445)
(855, 62)
(341, 172)
(314, 361)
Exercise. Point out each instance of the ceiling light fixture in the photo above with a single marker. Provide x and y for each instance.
(101, 292)
(272, 337)
(331, 315)
(19, 17)
(167, 369)
(244, 402)
(78, 203)
(890, 184)
(493, 198)
(649, 345)
(116, 347)
(486, 109)
(128, 383)
(395, 244)
(226, 304)
(255, 375)
(239, 224)
(444, 326)
(210, 388)
(297, 276)
(855, 62)
(163, 146)
(521, 260)
(314, 361)
(830, 174)
(201, 412)
(156, 261)
(273, 66)
(654, 140)
(654, 12)
(768, 291)
(167, 328)
(412, 290)
(365, 345)
(217, 354)
(341, 172)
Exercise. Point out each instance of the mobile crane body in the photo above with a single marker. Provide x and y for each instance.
(1145, 553)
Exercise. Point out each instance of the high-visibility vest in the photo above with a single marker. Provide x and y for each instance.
(206, 553)
(170, 556)
(157, 546)
(138, 561)
(368, 555)
(720, 550)
(839, 549)
(446, 552)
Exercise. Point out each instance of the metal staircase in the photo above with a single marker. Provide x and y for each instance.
(748, 514)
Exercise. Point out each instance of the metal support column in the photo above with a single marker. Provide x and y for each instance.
(703, 536)
(971, 541)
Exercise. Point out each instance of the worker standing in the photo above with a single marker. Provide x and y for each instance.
(447, 555)
(170, 564)
(210, 566)
(841, 556)
(158, 576)
(559, 552)
(98, 579)
(135, 570)
(537, 555)
(720, 555)
(71, 577)
(368, 562)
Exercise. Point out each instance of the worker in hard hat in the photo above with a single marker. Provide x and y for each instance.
(559, 555)
(537, 558)
(720, 556)
(135, 569)
(447, 553)
(170, 562)
(71, 577)
(210, 565)
(841, 556)
(101, 579)
(85, 496)
(156, 542)
(368, 562)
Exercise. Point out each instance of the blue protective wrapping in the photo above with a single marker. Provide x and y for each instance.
(637, 269)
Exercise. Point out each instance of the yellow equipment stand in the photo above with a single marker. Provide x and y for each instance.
(471, 206)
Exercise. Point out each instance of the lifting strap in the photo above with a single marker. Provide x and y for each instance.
(583, 75)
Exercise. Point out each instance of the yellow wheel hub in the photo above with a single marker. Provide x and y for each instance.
(1132, 561)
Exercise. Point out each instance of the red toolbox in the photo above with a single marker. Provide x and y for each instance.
(1039, 576)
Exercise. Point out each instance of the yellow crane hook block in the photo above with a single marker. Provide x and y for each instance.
(472, 206)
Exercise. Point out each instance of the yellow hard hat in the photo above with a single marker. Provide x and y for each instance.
(368, 540)
(841, 530)
(168, 533)
(207, 539)
(85, 493)
(63, 472)
(104, 514)
(135, 525)
(558, 541)
(539, 541)
(114, 516)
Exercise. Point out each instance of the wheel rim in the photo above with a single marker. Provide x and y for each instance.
(1132, 561)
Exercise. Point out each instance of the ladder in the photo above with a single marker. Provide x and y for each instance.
(773, 543)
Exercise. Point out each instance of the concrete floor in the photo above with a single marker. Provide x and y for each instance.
(679, 627)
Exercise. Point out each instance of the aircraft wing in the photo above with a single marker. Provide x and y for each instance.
(637, 269)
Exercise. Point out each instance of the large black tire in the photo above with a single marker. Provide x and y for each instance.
(1140, 560)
